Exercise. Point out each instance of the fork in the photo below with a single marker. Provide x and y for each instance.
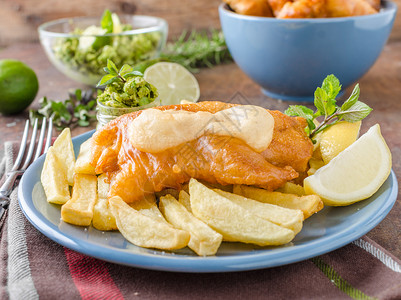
(18, 168)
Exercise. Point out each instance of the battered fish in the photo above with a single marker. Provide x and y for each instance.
(215, 159)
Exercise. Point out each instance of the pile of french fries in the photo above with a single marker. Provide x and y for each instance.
(200, 216)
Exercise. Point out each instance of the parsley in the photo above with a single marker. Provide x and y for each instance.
(325, 102)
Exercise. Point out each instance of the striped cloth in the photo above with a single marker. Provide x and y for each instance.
(34, 267)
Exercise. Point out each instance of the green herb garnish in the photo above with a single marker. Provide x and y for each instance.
(352, 109)
(125, 87)
(113, 74)
(77, 110)
(198, 49)
(107, 21)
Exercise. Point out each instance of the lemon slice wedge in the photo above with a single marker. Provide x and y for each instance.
(336, 138)
(355, 173)
(173, 82)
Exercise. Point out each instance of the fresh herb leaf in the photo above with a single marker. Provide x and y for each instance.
(78, 109)
(355, 113)
(302, 111)
(332, 86)
(112, 67)
(113, 75)
(198, 49)
(125, 69)
(107, 79)
(352, 110)
(324, 103)
(352, 99)
(107, 21)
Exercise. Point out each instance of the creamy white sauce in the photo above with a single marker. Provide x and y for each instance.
(154, 130)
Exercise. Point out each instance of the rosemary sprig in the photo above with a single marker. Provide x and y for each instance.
(198, 49)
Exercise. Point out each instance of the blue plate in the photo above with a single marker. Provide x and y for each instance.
(331, 228)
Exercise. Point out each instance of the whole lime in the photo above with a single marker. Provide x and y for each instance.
(18, 86)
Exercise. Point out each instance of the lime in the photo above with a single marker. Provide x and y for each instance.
(173, 82)
(18, 86)
(355, 173)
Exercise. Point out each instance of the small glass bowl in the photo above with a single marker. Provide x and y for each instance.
(106, 113)
(84, 64)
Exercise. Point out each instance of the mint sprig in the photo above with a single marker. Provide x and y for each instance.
(113, 74)
(325, 102)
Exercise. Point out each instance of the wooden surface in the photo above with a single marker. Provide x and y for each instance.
(20, 18)
(380, 89)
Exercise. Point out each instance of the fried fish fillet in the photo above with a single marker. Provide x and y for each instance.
(214, 159)
(303, 9)
(251, 7)
(347, 8)
(326, 8)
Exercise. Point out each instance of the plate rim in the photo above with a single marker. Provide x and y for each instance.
(197, 264)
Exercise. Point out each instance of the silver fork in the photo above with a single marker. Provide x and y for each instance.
(18, 168)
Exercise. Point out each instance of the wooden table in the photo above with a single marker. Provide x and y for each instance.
(380, 89)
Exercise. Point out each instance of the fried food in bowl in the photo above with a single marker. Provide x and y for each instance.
(289, 55)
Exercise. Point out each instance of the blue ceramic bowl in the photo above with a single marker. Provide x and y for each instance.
(289, 58)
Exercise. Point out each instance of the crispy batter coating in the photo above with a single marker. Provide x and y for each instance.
(290, 9)
(348, 8)
(303, 9)
(214, 159)
(251, 7)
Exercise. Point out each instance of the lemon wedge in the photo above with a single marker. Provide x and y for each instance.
(173, 82)
(355, 173)
(336, 138)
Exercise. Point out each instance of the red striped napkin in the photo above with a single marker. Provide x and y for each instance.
(32, 267)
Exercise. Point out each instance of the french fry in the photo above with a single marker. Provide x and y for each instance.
(185, 200)
(79, 209)
(54, 179)
(167, 191)
(203, 239)
(226, 188)
(315, 164)
(148, 207)
(292, 188)
(232, 221)
(285, 217)
(308, 204)
(145, 231)
(103, 186)
(82, 165)
(64, 150)
(103, 219)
